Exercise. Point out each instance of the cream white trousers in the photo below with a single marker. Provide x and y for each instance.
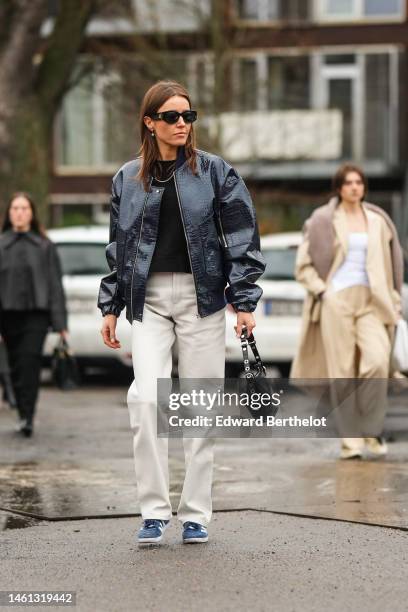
(170, 314)
(349, 329)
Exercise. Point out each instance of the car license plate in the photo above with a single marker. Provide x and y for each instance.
(282, 308)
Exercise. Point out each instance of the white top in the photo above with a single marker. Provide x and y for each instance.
(353, 270)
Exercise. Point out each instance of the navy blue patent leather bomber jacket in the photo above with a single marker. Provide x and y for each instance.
(221, 233)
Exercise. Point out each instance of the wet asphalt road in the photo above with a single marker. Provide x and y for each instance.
(79, 464)
(254, 561)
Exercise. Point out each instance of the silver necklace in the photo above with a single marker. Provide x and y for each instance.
(165, 180)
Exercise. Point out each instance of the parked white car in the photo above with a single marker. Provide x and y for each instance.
(278, 315)
(82, 254)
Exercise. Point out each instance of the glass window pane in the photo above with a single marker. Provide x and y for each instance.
(248, 85)
(82, 258)
(295, 10)
(382, 7)
(288, 83)
(116, 147)
(377, 106)
(203, 90)
(77, 124)
(280, 264)
(340, 92)
(168, 15)
(339, 7)
(340, 59)
(95, 115)
(247, 9)
(272, 7)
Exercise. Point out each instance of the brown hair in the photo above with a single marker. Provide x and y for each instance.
(153, 99)
(340, 177)
(35, 225)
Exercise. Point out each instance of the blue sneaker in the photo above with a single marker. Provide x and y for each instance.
(194, 533)
(152, 531)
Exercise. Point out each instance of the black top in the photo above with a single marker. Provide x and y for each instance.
(30, 276)
(20, 279)
(170, 253)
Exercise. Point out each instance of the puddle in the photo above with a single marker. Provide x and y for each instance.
(15, 521)
(67, 490)
(73, 490)
(374, 492)
(369, 491)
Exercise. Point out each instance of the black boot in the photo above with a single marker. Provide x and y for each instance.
(25, 427)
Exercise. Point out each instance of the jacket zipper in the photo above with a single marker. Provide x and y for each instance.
(222, 231)
(185, 234)
(137, 248)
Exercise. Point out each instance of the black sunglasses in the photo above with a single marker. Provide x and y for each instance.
(189, 116)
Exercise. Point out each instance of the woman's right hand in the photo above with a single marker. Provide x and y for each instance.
(108, 331)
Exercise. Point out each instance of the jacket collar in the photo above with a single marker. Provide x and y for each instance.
(10, 236)
(181, 157)
(340, 221)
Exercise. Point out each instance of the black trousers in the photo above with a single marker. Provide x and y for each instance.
(24, 333)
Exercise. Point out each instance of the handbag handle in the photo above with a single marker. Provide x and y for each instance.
(245, 341)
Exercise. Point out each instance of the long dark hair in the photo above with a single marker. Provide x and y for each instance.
(153, 99)
(35, 225)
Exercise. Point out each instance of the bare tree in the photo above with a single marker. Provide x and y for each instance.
(37, 69)
(34, 74)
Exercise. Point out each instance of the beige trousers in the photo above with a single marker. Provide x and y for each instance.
(357, 346)
(170, 314)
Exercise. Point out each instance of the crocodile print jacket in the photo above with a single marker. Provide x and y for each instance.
(221, 233)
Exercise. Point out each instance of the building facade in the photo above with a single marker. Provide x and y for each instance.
(286, 90)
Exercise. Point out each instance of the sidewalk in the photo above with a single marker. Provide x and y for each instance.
(79, 464)
(254, 561)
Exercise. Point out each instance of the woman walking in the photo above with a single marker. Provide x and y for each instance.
(182, 227)
(31, 300)
(351, 265)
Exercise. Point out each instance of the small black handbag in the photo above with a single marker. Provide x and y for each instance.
(5, 378)
(64, 367)
(254, 381)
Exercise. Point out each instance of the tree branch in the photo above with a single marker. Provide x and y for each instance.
(7, 14)
(23, 25)
(62, 50)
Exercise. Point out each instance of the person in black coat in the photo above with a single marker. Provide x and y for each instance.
(32, 300)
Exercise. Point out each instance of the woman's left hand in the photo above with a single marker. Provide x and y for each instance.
(244, 319)
(398, 310)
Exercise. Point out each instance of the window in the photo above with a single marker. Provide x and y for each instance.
(319, 105)
(248, 9)
(272, 82)
(200, 81)
(97, 128)
(288, 83)
(346, 58)
(349, 10)
(93, 120)
(363, 89)
(377, 105)
(382, 7)
(339, 7)
(81, 259)
(280, 263)
(272, 10)
(171, 15)
(246, 97)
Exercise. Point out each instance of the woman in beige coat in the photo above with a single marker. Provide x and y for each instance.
(351, 264)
